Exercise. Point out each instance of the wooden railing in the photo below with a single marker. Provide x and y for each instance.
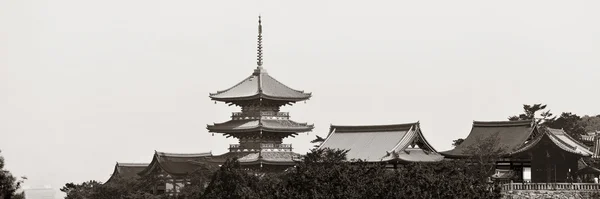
(257, 114)
(262, 146)
(550, 186)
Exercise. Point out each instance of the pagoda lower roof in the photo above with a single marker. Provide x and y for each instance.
(263, 157)
(175, 164)
(381, 143)
(274, 125)
(260, 85)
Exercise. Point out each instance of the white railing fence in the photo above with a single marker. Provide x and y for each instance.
(551, 186)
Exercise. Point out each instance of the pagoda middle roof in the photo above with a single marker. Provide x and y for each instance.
(260, 85)
(278, 125)
(375, 143)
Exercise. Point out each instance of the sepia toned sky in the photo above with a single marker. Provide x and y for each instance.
(84, 84)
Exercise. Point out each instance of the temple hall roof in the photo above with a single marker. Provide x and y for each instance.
(276, 125)
(375, 143)
(175, 164)
(127, 170)
(510, 135)
(260, 85)
(560, 139)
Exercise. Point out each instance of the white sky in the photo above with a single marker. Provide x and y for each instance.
(84, 84)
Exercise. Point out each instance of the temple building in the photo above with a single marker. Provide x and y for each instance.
(260, 127)
(527, 153)
(394, 144)
(127, 170)
(172, 170)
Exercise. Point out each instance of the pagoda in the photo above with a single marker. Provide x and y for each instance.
(260, 127)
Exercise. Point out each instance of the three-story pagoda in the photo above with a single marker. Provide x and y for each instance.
(260, 126)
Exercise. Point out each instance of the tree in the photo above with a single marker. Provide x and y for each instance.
(530, 111)
(84, 190)
(590, 123)
(570, 123)
(231, 181)
(8, 183)
(199, 180)
(457, 142)
(319, 140)
(485, 153)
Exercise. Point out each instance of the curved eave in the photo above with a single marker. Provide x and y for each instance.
(269, 162)
(556, 141)
(464, 156)
(115, 172)
(156, 163)
(212, 129)
(150, 166)
(259, 96)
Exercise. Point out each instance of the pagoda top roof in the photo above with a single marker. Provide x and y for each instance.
(510, 135)
(127, 170)
(375, 143)
(175, 164)
(260, 85)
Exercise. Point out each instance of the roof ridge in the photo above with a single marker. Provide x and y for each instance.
(183, 154)
(375, 125)
(132, 164)
(351, 128)
(503, 123)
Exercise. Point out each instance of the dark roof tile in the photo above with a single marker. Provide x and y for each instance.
(260, 85)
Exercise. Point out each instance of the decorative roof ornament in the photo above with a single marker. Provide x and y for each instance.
(259, 46)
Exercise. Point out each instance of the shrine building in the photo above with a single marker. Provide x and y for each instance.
(392, 144)
(527, 152)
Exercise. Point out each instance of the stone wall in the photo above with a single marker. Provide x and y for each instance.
(548, 194)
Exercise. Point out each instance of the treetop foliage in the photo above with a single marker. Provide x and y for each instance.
(9, 185)
(323, 173)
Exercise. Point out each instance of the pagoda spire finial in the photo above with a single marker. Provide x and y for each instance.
(259, 47)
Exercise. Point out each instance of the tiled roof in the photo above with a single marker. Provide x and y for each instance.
(560, 139)
(584, 168)
(260, 85)
(175, 163)
(376, 143)
(127, 170)
(264, 157)
(511, 135)
(278, 125)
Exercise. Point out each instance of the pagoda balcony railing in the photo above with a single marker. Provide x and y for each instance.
(260, 114)
(263, 147)
(551, 186)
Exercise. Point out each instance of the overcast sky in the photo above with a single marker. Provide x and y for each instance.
(84, 84)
